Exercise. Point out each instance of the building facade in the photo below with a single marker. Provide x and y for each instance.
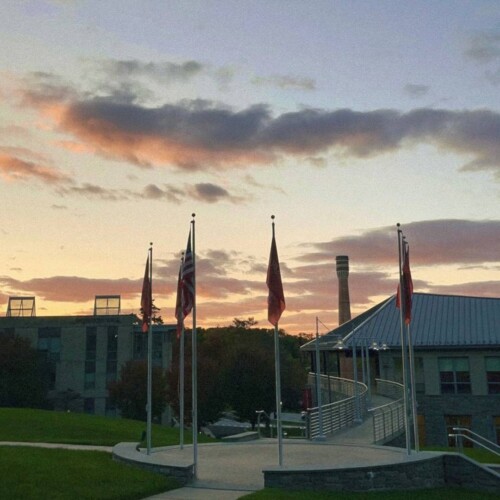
(456, 344)
(83, 354)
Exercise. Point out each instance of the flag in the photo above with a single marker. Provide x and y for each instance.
(146, 299)
(276, 298)
(187, 280)
(178, 308)
(407, 286)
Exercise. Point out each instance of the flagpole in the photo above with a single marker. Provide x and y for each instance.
(194, 360)
(278, 384)
(413, 393)
(181, 380)
(403, 344)
(150, 355)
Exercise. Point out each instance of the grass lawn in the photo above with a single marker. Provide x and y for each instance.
(477, 454)
(34, 473)
(21, 424)
(427, 494)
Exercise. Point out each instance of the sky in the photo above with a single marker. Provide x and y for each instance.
(120, 119)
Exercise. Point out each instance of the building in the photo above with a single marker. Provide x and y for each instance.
(84, 353)
(456, 342)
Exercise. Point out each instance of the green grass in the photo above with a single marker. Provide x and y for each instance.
(41, 426)
(427, 494)
(477, 454)
(34, 473)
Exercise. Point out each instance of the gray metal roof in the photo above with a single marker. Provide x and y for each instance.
(438, 321)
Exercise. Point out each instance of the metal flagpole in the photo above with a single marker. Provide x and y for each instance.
(278, 386)
(181, 377)
(149, 404)
(321, 437)
(403, 345)
(413, 391)
(194, 359)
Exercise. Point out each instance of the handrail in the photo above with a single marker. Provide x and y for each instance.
(462, 433)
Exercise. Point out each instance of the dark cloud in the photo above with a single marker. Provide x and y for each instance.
(163, 72)
(484, 47)
(286, 82)
(435, 242)
(93, 191)
(196, 135)
(416, 91)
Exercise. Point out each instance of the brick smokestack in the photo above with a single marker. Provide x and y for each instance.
(344, 302)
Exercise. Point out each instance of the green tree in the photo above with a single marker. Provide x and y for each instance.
(129, 393)
(22, 380)
(236, 371)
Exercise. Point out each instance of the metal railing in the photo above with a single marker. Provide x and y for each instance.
(388, 420)
(462, 433)
(338, 414)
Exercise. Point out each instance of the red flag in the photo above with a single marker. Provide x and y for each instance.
(178, 303)
(407, 286)
(276, 298)
(187, 280)
(146, 299)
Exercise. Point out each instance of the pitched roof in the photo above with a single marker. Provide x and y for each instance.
(437, 321)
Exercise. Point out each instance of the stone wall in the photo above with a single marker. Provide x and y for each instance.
(434, 408)
(444, 469)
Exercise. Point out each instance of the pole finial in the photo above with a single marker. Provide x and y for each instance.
(272, 217)
(193, 215)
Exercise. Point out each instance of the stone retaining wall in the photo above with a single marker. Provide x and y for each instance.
(127, 453)
(441, 470)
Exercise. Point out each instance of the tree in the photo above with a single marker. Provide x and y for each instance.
(244, 323)
(129, 394)
(236, 371)
(22, 380)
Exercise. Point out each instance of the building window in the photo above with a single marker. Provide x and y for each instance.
(157, 348)
(110, 408)
(90, 357)
(452, 421)
(112, 354)
(454, 375)
(496, 423)
(49, 341)
(89, 405)
(140, 345)
(493, 374)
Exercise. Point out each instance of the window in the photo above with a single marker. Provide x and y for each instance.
(493, 374)
(452, 421)
(90, 357)
(454, 375)
(496, 423)
(89, 405)
(112, 354)
(49, 341)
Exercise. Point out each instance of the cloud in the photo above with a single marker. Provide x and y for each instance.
(286, 82)
(163, 72)
(93, 191)
(203, 135)
(232, 284)
(73, 288)
(416, 91)
(432, 243)
(14, 168)
(484, 47)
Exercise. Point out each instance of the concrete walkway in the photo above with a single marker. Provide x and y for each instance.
(228, 471)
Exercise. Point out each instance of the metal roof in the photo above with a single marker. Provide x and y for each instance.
(438, 321)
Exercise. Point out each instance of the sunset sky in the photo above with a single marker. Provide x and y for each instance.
(118, 119)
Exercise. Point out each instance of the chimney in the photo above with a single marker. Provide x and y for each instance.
(344, 302)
